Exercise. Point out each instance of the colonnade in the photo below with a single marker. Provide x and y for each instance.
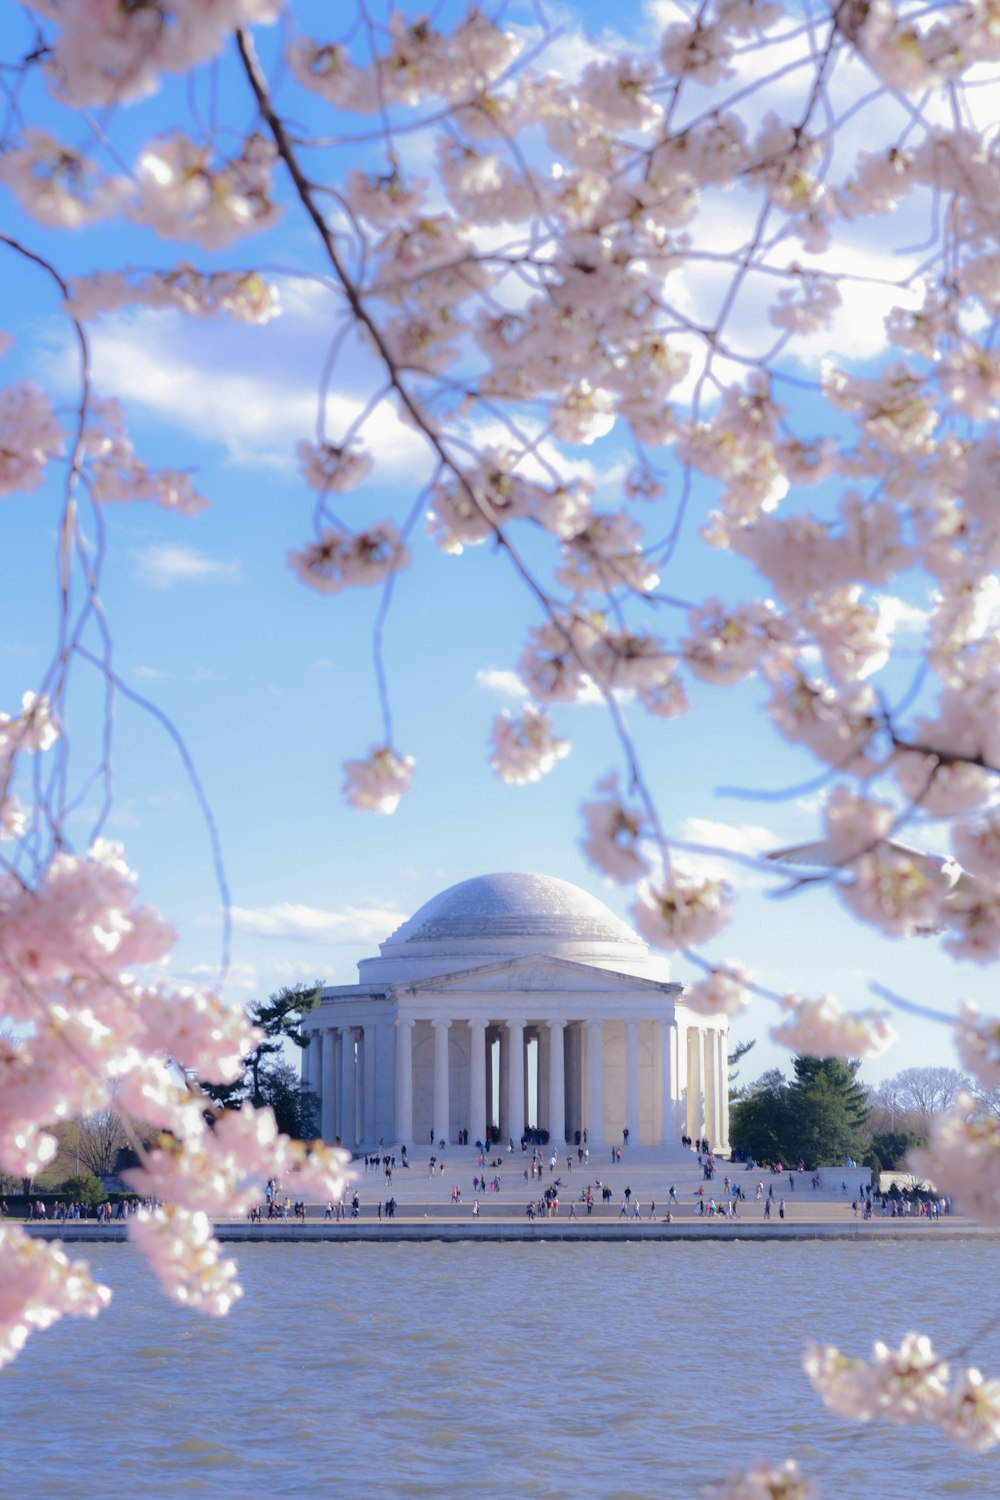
(429, 1078)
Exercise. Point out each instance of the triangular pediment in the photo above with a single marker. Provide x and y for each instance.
(532, 974)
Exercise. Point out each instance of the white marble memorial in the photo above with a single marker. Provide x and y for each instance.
(511, 1002)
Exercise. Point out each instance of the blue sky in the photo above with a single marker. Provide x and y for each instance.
(271, 687)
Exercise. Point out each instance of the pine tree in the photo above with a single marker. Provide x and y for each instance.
(267, 1079)
(827, 1112)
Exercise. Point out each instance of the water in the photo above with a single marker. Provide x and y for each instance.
(504, 1372)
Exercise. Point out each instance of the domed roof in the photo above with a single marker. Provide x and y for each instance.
(515, 906)
(494, 918)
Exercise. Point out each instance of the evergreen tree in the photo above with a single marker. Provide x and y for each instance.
(739, 1051)
(827, 1112)
(759, 1123)
(296, 1109)
(267, 1079)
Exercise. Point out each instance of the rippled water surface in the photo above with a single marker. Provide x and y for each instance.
(522, 1372)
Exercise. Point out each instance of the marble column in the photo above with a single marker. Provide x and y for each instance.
(327, 1087)
(724, 1061)
(595, 1085)
(348, 1089)
(711, 1086)
(632, 1082)
(404, 1083)
(477, 1080)
(442, 1108)
(309, 1057)
(515, 1080)
(721, 1087)
(669, 1091)
(557, 1083)
(369, 1058)
(696, 1084)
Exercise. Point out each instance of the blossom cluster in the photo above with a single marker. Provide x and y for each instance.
(244, 295)
(179, 189)
(38, 1285)
(91, 1038)
(764, 1481)
(906, 1386)
(962, 1157)
(822, 1028)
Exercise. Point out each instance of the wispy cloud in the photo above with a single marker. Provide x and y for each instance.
(163, 564)
(146, 673)
(311, 924)
(503, 683)
(244, 978)
(252, 389)
(905, 622)
(706, 843)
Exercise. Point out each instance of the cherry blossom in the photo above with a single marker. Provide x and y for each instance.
(114, 473)
(112, 53)
(899, 1386)
(380, 782)
(896, 890)
(340, 560)
(908, 1385)
(722, 992)
(524, 746)
(977, 1041)
(764, 1481)
(727, 645)
(244, 295)
(182, 195)
(605, 553)
(185, 1256)
(962, 1157)
(837, 725)
(970, 1413)
(821, 1028)
(38, 1285)
(327, 468)
(615, 834)
(680, 911)
(855, 824)
(973, 917)
(30, 436)
(552, 664)
(59, 186)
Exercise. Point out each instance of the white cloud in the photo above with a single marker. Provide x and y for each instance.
(902, 620)
(503, 682)
(244, 978)
(311, 924)
(163, 564)
(253, 389)
(737, 838)
(146, 673)
(699, 837)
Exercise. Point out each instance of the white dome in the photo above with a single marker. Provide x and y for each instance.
(496, 917)
(514, 906)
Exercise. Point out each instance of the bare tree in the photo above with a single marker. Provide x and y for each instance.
(988, 1100)
(927, 1091)
(99, 1139)
(889, 1103)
